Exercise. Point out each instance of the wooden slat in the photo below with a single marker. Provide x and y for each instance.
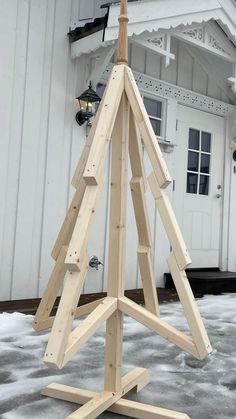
(146, 130)
(87, 327)
(148, 279)
(135, 151)
(124, 407)
(80, 311)
(105, 125)
(51, 292)
(159, 326)
(80, 235)
(170, 223)
(116, 257)
(141, 212)
(191, 311)
(68, 224)
(65, 315)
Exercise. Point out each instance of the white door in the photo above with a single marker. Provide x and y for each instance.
(199, 157)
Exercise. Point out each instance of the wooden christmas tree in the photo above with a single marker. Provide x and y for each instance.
(122, 121)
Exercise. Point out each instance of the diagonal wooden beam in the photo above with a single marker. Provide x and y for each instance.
(80, 312)
(146, 130)
(190, 308)
(88, 327)
(80, 235)
(102, 136)
(51, 292)
(58, 338)
(136, 152)
(159, 326)
(170, 223)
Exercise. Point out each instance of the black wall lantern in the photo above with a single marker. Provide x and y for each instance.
(86, 100)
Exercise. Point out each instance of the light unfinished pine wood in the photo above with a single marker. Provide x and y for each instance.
(51, 292)
(148, 280)
(68, 224)
(80, 312)
(141, 212)
(146, 130)
(103, 401)
(123, 407)
(136, 152)
(58, 338)
(191, 311)
(88, 327)
(116, 257)
(159, 326)
(122, 47)
(170, 223)
(80, 235)
(101, 139)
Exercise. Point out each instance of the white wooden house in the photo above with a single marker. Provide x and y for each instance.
(183, 55)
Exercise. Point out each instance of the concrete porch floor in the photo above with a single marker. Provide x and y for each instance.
(202, 389)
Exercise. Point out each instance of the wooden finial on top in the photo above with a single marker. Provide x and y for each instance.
(122, 48)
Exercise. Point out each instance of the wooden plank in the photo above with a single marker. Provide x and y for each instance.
(51, 292)
(159, 326)
(135, 151)
(124, 407)
(146, 130)
(103, 401)
(68, 224)
(148, 279)
(80, 311)
(141, 212)
(122, 47)
(105, 125)
(190, 308)
(78, 175)
(80, 235)
(65, 315)
(116, 257)
(170, 223)
(87, 327)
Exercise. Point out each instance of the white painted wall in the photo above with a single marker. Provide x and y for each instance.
(40, 142)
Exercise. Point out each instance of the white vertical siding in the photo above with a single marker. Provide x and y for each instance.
(40, 142)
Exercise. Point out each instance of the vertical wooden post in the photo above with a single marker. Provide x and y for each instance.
(122, 48)
(117, 227)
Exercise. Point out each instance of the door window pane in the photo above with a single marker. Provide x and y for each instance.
(193, 139)
(199, 162)
(205, 163)
(193, 161)
(206, 142)
(153, 107)
(192, 179)
(156, 125)
(204, 185)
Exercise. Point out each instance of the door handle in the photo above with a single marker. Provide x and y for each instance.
(218, 195)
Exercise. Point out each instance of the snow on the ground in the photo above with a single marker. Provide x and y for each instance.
(202, 389)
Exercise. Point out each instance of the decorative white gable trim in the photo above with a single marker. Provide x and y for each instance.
(146, 16)
(165, 90)
(208, 37)
(159, 43)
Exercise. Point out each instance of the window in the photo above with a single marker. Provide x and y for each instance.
(199, 159)
(154, 110)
